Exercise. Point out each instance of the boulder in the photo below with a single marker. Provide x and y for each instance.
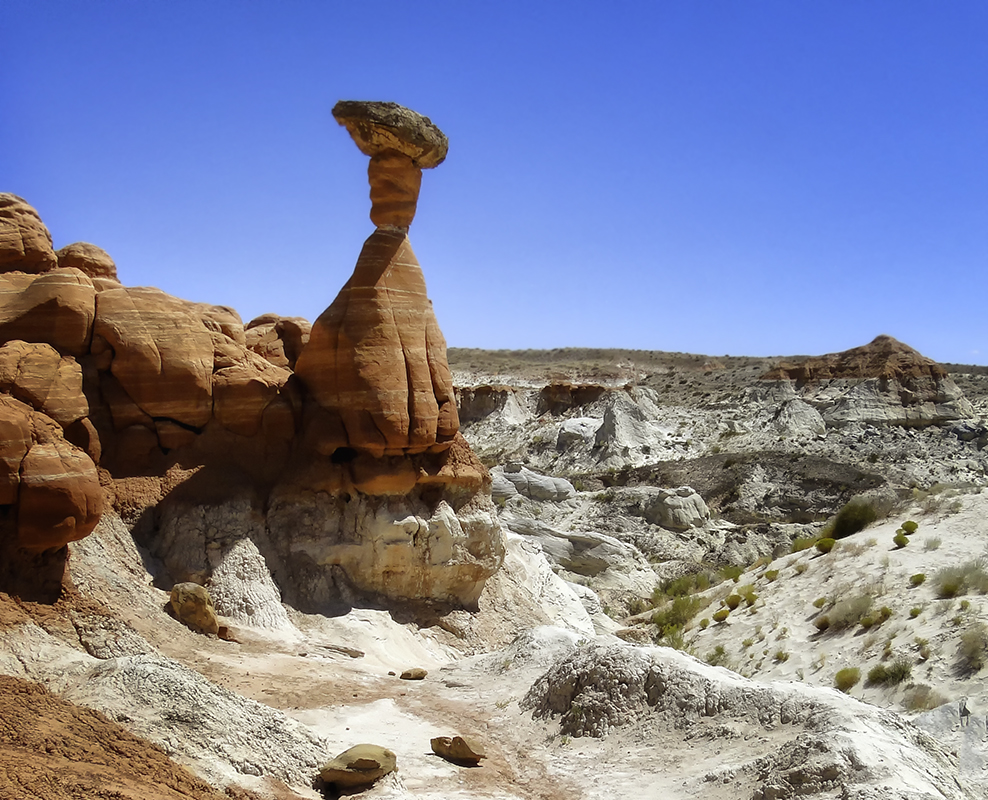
(37, 375)
(57, 308)
(25, 243)
(799, 420)
(576, 431)
(458, 749)
(377, 358)
(378, 128)
(223, 320)
(15, 441)
(359, 766)
(414, 674)
(676, 509)
(162, 353)
(531, 484)
(278, 340)
(243, 391)
(88, 258)
(193, 607)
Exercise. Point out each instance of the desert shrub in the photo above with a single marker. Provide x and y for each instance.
(825, 545)
(771, 575)
(732, 601)
(900, 540)
(820, 602)
(856, 515)
(890, 674)
(683, 585)
(704, 624)
(918, 579)
(884, 614)
(915, 612)
(717, 657)
(678, 612)
(638, 605)
(802, 543)
(822, 623)
(748, 593)
(922, 698)
(847, 678)
(910, 527)
(847, 613)
(731, 573)
(972, 652)
(801, 567)
(867, 621)
(721, 614)
(781, 656)
(925, 651)
(961, 579)
(931, 544)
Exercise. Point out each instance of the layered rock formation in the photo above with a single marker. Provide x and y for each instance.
(342, 478)
(883, 382)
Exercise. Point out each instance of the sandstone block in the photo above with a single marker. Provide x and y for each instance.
(193, 607)
(458, 749)
(361, 765)
(88, 258)
(25, 243)
(57, 307)
(380, 127)
(39, 376)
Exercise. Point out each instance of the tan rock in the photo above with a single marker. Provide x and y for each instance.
(57, 307)
(278, 340)
(394, 189)
(380, 127)
(193, 607)
(88, 258)
(222, 319)
(59, 497)
(162, 353)
(243, 391)
(15, 441)
(39, 376)
(458, 749)
(376, 356)
(361, 765)
(25, 243)
(414, 674)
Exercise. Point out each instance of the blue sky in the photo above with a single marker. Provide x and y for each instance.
(744, 178)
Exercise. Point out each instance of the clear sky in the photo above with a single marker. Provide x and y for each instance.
(744, 177)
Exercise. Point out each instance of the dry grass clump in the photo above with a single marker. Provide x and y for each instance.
(922, 698)
(856, 515)
(847, 613)
(972, 652)
(963, 578)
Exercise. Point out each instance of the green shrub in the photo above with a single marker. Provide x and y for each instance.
(748, 593)
(799, 544)
(884, 614)
(721, 614)
(704, 624)
(732, 601)
(825, 545)
(781, 656)
(847, 678)
(771, 575)
(731, 573)
(900, 540)
(677, 613)
(915, 612)
(972, 652)
(910, 527)
(822, 623)
(801, 567)
(890, 675)
(856, 515)
(717, 657)
(867, 621)
(820, 602)
(918, 579)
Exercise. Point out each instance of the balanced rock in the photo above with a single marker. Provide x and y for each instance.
(458, 749)
(361, 765)
(377, 358)
(57, 308)
(378, 127)
(25, 243)
(88, 258)
(193, 607)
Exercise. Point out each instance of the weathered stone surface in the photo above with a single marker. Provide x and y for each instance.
(278, 340)
(531, 484)
(676, 509)
(380, 127)
(88, 258)
(377, 358)
(57, 307)
(243, 391)
(15, 441)
(458, 749)
(222, 319)
(59, 499)
(39, 376)
(361, 765)
(395, 182)
(25, 243)
(193, 607)
(162, 353)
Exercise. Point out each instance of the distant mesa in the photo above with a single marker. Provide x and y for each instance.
(884, 382)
